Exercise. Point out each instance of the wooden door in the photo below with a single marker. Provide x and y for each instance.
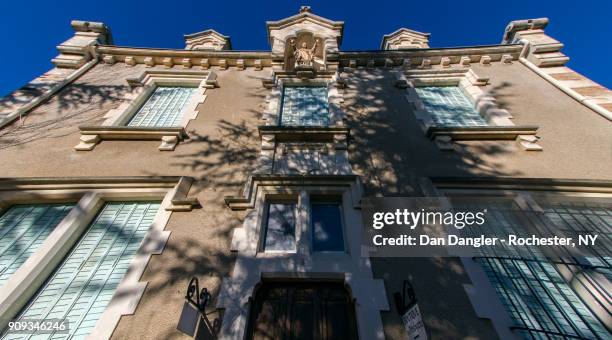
(302, 311)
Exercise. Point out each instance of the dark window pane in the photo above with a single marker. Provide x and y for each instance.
(327, 227)
(280, 231)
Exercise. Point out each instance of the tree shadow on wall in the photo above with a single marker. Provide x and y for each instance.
(391, 152)
(59, 116)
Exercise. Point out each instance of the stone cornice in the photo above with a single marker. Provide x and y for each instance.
(430, 52)
(260, 59)
(164, 52)
(532, 184)
(63, 183)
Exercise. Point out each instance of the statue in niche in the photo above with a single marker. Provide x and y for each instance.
(303, 55)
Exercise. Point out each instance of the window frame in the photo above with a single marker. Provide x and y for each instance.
(335, 96)
(314, 200)
(526, 195)
(89, 198)
(500, 125)
(115, 126)
(150, 92)
(435, 116)
(265, 222)
(297, 85)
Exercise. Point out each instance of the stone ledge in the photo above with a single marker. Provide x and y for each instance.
(247, 199)
(444, 136)
(271, 134)
(92, 135)
(178, 185)
(512, 183)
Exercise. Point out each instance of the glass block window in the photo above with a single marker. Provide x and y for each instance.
(304, 106)
(574, 218)
(85, 281)
(448, 106)
(327, 233)
(540, 302)
(23, 229)
(280, 227)
(164, 108)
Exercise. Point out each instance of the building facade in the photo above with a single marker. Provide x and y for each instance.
(126, 172)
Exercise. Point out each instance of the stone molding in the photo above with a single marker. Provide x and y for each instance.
(114, 126)
(258, 60)
(531, 184)
(246, 199)
(22, 190)
(272, 133)
(203, 59)
(254, 265)
(92, 135)
(404, 38)
(500, 124)
(328, 31)
(207, 40)
(430, 56)
(78, 50)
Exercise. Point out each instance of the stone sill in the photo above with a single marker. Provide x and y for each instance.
(326, 134)
(92, 135)
(444, 136)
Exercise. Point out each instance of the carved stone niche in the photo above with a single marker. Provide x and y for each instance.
(304, 52)
(300, 32)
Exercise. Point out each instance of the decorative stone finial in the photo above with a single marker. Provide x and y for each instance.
(522, 25)
(305, 9)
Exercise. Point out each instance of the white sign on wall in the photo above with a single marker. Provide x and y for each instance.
(413, 322)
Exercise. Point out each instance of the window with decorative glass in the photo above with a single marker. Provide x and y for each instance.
(541, 303)
(449, 106)
(304, 106)
(165, 107)
(23, 229)
(83, 284)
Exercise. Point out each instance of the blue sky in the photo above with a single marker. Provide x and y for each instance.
(30, 31)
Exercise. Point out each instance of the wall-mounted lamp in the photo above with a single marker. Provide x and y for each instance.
(194, 307)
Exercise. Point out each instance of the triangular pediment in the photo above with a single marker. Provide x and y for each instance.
(305, 16)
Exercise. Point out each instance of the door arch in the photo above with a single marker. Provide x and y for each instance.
(302, 310)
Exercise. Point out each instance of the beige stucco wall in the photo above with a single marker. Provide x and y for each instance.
(390, 150)
(387, 148)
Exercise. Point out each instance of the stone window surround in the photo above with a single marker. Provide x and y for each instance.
(335, 94)
(501, 126)
(114, 127)
(480, 291)
(303, 225)
(272, 130)
(90, 196)
(253, 266)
